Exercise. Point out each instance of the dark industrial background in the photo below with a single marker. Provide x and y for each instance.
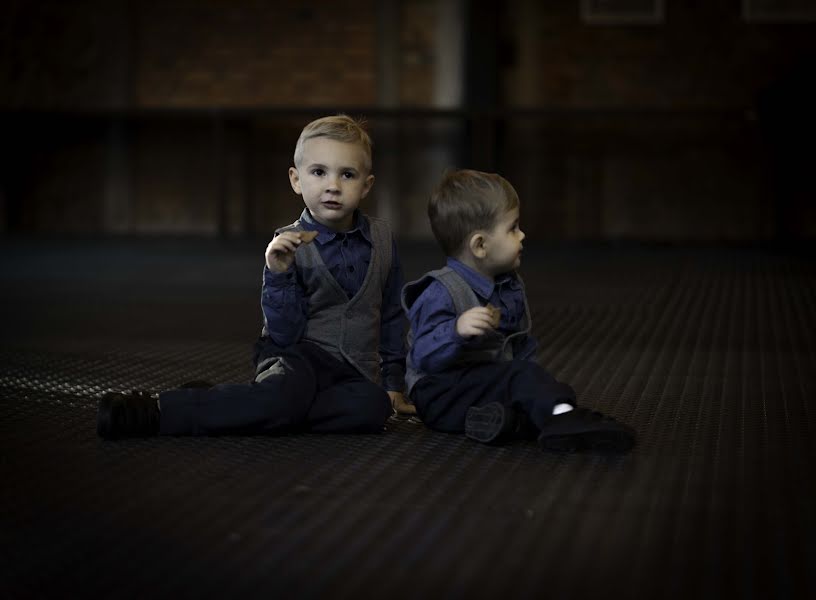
(664, 155)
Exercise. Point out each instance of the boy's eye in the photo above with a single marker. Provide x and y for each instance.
(348, 175)
(318, 172)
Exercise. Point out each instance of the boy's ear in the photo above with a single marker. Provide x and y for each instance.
(477, 244)
(367, 185)
(294, 179)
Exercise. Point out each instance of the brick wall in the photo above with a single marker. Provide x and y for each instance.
(187, 53)
(662, 135)
(58, 55)
(251, 53)
(703, 56)
(657, 131)
(417, 52)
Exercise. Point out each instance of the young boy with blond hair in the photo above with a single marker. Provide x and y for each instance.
(331, 354)
(471, 357)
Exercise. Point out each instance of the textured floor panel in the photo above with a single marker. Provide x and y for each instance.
(709, 354)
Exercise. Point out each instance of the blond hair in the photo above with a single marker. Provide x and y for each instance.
(341, 128)
(465, 201)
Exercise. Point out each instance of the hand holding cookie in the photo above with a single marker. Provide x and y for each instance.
(280, 253)
(495, 315)
(478, 321)
(400, 405)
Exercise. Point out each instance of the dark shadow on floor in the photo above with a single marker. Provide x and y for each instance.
(710, 353)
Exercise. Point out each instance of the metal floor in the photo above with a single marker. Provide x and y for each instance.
(708, 353)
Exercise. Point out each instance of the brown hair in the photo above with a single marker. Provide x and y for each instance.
(341, 128)
(465, 201)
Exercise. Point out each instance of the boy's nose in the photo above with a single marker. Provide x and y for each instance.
(333, 184)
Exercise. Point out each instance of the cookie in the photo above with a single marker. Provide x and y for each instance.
(495, 316)
(308, 236)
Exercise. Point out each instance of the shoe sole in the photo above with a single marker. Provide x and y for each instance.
(104, 417)
(602, 442)
(485, 423)
(112, 421)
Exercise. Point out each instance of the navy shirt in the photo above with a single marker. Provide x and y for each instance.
(346, 254)
(433, 318)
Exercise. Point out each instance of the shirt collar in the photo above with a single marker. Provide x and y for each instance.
(479, 283)
(324, 234)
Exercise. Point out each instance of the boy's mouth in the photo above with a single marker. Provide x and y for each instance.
(332, 204)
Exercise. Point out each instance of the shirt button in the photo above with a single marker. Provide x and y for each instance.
(351, 268)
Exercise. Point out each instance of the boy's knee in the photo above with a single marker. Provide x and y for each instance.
(527, 372)
(530, 366)
(372, 408)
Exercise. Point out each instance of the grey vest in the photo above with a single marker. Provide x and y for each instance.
(349, 329)
(490, 347)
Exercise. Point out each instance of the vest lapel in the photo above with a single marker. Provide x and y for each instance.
(316, 259)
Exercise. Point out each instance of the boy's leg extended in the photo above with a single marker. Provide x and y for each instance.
(279, 399)
(352, 406)
(442, 400)
(346, 401)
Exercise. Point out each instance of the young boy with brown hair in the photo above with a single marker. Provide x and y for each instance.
(331, 354)
(471, 357)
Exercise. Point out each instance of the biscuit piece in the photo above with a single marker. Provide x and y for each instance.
(495, 316)
(308, 236)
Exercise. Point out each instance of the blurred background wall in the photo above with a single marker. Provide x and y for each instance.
(652, 120)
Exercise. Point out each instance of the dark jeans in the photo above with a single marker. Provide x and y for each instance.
(314, 392)
(442, 399)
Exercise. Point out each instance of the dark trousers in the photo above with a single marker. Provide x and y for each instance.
(314, 392)
(442, 399)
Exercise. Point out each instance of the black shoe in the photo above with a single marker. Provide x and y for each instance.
(127, 415)
(197, 384)
(582, 429)
(492, 422)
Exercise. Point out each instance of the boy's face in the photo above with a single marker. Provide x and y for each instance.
(332, 178)
(503, 244)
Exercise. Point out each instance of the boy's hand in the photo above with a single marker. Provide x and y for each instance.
(400, 404)
(476, 321)
(280, 253)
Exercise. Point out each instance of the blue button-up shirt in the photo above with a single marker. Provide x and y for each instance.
(346, 254)
(433, 318)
